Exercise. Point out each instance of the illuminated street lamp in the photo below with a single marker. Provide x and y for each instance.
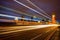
(39, 21)
(16, 20)
(33, 17)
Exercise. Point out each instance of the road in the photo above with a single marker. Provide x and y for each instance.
(46, 33)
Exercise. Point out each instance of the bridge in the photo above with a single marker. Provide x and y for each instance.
(28, 20)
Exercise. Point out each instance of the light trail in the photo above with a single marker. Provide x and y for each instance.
(38, 8)
(13, 17)
(29, 28)
(31, 9)
(7, 15)
(20, 12)
(16, 11)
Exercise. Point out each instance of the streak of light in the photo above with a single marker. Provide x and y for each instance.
(7, 16)
(31, 9)
(30, 28)
(16, 11)
(19, 12)
(42, 26)
(13, 17)
(38, 8)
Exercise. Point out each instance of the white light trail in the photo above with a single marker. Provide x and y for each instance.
(19, 12)
(13, 17)
(31, 8)
(15, 11)
(38, 8)
(7, 16)
(26, 28)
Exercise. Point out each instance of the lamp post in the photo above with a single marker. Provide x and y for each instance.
(16, 20)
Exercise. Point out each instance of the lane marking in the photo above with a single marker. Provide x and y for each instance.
(41, 34)
(47, 38)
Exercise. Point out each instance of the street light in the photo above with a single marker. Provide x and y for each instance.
(16, 20)
(33, 18)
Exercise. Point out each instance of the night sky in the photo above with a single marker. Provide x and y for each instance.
(48, 6)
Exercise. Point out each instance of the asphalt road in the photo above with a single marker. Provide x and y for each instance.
(48, 33)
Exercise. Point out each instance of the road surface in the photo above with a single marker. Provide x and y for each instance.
(47, 33)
